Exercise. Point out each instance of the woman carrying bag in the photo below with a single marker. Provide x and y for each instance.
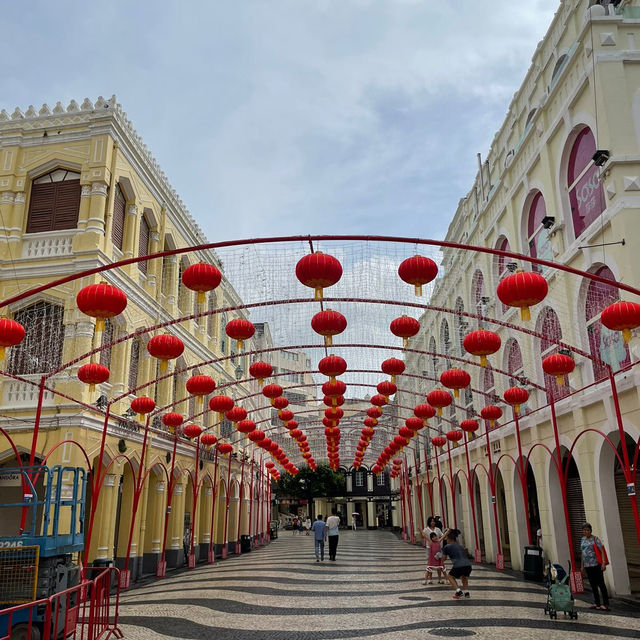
(593, 562)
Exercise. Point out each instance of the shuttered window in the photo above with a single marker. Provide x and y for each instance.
(107, 339)
(117, 224)
(575, 504)
(54, 202)
(41, 349)
(143, 244)
(134, 362)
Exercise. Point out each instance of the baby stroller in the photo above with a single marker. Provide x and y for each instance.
(559, 596)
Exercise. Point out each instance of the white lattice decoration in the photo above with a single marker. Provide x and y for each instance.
(18, 394)
(49, 245)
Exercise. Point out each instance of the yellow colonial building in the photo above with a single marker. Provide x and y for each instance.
(79, 190)
(561, 182)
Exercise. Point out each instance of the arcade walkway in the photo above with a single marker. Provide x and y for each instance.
(374, 590)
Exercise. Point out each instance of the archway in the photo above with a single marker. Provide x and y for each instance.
(124, 515)
(475, 483)
(234, 505)
(460, 511)
(501, 500)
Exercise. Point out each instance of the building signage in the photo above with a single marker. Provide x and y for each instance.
(10, 479)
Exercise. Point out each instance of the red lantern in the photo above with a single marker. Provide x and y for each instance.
(386, 388)
(334, 388)
(418, 271)
(11, 334)
(334, 413)
(201, 277)
(239, 330)
(165, 347)
(285, 415)
(515, 397)
(93, 374)
(481, 343)
(272, 391)
(280, 403)
(260, 370)
(393, 367)
(333, 401)
(415, 424)
(172, 420)
(292, 424)
(424, 412)
(191, 431)
(224, 448)
(378, 400)
(318, 270)
(453, 436)
(246, 426)
(295, 433)
(621, 316)
(438, 441)
(491, 413)
(142, 405)
(208, 439)
(367, 433)
(439, 399)
(274, 447)
(265, 443)
(404, 327)
(256, 435)
(400, 441)
(455, 379)
(332, 366)
(221, 404)
(328, 323)
(469, 426)
(236, 414)
(101, 301)
(558, 365)
(370, 422)
(200, 386)
(522, 289)
(406, 433)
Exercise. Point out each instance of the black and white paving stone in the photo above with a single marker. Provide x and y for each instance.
(373, 590)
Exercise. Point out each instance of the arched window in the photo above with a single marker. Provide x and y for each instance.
(604, 344)
(586, 195)
(551, 332)
(143, 243)
(41, 349)
(537, 235)
(501, 265)
(460, 325)
(134, 363)
(223, 334)
(515, 367)
(445, 339)
(117, 221)
(558, 68)
(478, 296)
(54, 202)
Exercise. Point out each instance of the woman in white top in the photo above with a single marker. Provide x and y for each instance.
(426, 536)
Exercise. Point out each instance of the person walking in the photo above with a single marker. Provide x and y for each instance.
(307, 525)
(426, 534)
(294, 525)
(435, 560)
(593, 563)
(333, 523)
(319, 529)
(461, 565)
(354, 521)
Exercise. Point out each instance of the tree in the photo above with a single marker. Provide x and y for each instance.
(308, 484)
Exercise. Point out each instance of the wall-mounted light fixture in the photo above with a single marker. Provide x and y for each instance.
(600, 157)
(548, 222)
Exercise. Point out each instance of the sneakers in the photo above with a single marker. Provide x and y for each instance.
(467, 594)
(458, 594)
(317, 559)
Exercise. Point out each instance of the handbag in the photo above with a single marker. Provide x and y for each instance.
(601, 553)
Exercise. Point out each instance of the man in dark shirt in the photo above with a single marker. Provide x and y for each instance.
(461, 564)
(319, 529)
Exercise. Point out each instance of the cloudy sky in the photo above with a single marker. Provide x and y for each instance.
(277, 117)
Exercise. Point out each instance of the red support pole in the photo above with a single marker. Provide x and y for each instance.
(267, 509)
(471, 498)
(412, 533)
(211, 555)
(162, 565)
(444, 515)
(453, 495)
(493, 497)
(240, 496)
(225, 542)
(631, 490)
(192, 560)
(429, 486)
(522, 474)
(418, 492)
(97, 482)
(251, 529)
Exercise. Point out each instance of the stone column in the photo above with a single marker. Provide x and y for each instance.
(130, 241)
(10, 231)
(97, 209)
(174, 553)
(103, 527)
(154, 267)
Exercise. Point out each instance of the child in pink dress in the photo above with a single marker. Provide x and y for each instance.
(435, 562)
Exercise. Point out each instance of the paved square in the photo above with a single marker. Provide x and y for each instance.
(373, 590)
